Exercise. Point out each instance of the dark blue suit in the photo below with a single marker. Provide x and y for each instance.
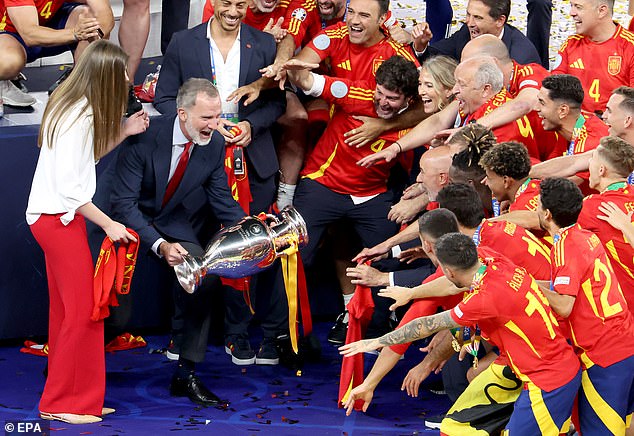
(140, 180)
(520, 47)
(188, 55)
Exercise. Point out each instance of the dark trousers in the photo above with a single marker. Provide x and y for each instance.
(320, 207)
(438, 15)
(268, 299)
(540, 17)
(174, 17)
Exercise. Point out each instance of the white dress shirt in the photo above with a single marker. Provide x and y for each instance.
(65, 177)
(227, 72)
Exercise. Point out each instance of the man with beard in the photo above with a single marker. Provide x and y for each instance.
(162, 178)
(230, 54)
(332, 186)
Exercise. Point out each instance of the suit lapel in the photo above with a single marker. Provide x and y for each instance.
(202, 46)
(161, 159)
(246, 51)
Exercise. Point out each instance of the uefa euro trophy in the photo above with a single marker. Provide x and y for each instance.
(246, 248)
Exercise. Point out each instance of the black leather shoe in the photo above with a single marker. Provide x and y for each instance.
(193, 388)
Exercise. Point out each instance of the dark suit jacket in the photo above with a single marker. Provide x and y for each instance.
(188, 56)
(520, 48)
(141, 179)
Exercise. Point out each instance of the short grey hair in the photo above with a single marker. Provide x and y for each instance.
(487, 72)
(188, 92)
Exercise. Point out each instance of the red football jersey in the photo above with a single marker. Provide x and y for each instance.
(428, 306)
(353, 61)
(526, 196)
(601, 326)
(620, 252)
(333, 163)
(601, 67)
(526, 76)
(519, 245)
(514, 314)
(520, 130)
(46, 9)
(588, 139)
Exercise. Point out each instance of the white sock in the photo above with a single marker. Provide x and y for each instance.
(346, 300)
(285, 194)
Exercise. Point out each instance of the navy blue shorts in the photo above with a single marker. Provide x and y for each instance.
(58, 22)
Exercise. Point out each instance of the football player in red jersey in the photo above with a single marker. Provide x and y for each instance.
(585, 291)
(32, 29)
(508, 306)
(600, 54)
(611, 164)
(618, 116)
(559, 107)
(333, 187)
(507, 166)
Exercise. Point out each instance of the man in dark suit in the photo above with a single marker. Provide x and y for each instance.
(483, 16)
(162, 180)
(230, 54)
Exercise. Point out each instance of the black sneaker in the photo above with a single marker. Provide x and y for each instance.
(267, 354)
(59, 81)
(240, 350)
(434, 421)
(338, 332)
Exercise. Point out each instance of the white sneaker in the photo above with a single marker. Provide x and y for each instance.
(12, 96)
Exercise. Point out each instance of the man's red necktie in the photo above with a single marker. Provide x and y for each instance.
(178, 174)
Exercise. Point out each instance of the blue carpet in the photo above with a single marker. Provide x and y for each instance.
(264, 400)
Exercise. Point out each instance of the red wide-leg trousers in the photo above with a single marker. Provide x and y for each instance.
(76, 380)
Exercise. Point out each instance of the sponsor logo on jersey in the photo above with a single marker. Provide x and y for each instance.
(345, 65)
(578, 64)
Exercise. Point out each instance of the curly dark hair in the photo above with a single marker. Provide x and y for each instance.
(509, 159)
(562, 198)
(397, 74)
(565, 88)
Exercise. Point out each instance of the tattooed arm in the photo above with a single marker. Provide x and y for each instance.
(413, 330)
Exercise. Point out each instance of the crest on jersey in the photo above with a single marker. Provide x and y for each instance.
(376, 63)
(300, 14)
(614, 65)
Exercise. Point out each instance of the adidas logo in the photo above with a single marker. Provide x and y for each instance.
(345, 65)
(578, 64)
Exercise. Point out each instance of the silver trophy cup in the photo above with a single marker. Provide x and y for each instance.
(246, 248)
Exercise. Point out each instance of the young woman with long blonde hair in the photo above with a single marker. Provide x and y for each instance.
(82, 122)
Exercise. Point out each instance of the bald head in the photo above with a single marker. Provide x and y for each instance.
(434, 170)
(486, 45)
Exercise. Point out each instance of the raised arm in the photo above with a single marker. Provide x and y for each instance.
(563, 166)
(417, 329)
(511, 110)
